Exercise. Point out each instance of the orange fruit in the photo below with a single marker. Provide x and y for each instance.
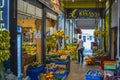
(51, 73)
(51, 76)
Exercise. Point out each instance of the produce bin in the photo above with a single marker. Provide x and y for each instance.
(61, 62)
(93, 75)
(34, 72)
(49, 61)
(61, 75)
(51, 70)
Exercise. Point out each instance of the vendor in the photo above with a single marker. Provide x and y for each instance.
(37, 39)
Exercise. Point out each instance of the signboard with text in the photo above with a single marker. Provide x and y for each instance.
(4, 14)
(76, 13)
(110, 65)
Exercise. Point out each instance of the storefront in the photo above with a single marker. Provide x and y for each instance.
(4, 37)
(30, 22)
(29, 18)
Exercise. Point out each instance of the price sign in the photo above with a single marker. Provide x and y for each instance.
(111, 65)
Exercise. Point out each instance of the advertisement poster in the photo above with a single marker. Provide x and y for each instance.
(4, 14)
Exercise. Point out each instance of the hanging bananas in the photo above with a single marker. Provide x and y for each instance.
(4, 45)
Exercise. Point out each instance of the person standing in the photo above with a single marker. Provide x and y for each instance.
(37, 39)
(80, 49)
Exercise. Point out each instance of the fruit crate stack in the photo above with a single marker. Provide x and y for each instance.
(94, 75)
(62, 63)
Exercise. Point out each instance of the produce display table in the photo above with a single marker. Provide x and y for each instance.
(34, 72)
(58, 61)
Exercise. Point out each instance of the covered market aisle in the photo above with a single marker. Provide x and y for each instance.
(39, 39)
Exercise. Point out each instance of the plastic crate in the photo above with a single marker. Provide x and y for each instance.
(34, 72)
(102, 62)
(51, 70)
(49, 61)
(60, 75)
(61, 62)
(93, 75)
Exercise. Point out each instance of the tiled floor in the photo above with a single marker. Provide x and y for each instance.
(78, 71)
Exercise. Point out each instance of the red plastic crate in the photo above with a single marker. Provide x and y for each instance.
(102, 62)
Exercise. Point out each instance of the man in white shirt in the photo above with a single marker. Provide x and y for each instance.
(80, 49)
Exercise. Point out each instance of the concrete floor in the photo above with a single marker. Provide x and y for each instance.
(78, 71)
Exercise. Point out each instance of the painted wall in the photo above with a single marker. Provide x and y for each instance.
(114, 14)
(29, 9)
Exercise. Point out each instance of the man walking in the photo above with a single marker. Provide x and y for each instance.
(80, 49)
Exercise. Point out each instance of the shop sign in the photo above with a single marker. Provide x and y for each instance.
(84, 13)
(4, 14)
(53, 4)
(111, 65)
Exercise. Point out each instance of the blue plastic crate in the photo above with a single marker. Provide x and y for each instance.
(93, 75)
(34, 72)
(51, 70)
(49, 61)
(36, 68)
(60, 75)
(54, 56)
(61, 62)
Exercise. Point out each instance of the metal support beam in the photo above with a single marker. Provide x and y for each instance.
(118, 29)
(83, 4)
(13, 35)
(43, 33)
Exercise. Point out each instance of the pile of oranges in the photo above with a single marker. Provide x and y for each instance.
(49, 75)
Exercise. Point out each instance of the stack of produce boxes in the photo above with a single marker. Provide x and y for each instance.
(58, 65)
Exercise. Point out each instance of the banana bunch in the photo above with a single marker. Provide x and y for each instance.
(60, 33)
(51, 42)
(4, 45)
(72, 47)
(89, 60)
(4, 55)
(66, 37)
(4, 36)
(35, 64)
(100, 54)
(62, 52)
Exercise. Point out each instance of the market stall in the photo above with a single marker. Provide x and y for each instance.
(31, 40)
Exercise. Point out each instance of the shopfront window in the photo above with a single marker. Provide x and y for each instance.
(30, 20)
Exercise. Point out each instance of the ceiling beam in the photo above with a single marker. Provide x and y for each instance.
(83, 4)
